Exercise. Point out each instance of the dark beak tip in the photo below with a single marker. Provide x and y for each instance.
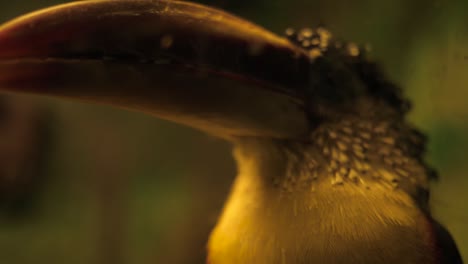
(16, 42)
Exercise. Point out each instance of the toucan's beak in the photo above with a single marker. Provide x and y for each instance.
(179, 61)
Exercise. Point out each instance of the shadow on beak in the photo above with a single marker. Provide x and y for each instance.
(178, 61)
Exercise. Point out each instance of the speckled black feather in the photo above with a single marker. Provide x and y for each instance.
(342, 76)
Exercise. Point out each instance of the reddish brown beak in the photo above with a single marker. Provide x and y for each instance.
(179, 61)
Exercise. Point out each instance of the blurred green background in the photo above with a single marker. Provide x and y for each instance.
(122, 187)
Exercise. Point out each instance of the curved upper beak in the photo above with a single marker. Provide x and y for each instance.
(179, 61)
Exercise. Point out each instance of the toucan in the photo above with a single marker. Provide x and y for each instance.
(329, 169)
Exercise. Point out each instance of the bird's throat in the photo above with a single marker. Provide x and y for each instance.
(295, 202)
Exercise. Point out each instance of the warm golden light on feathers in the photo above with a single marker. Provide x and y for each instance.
(282, 210)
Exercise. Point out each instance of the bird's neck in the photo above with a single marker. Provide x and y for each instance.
(345, 152)
(297, 197)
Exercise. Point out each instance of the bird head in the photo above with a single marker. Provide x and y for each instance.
(211, 70)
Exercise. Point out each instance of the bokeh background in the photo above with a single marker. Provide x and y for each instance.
(102, 185)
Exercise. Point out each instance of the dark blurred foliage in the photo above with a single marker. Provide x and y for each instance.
(122, 187)
(25, 143)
